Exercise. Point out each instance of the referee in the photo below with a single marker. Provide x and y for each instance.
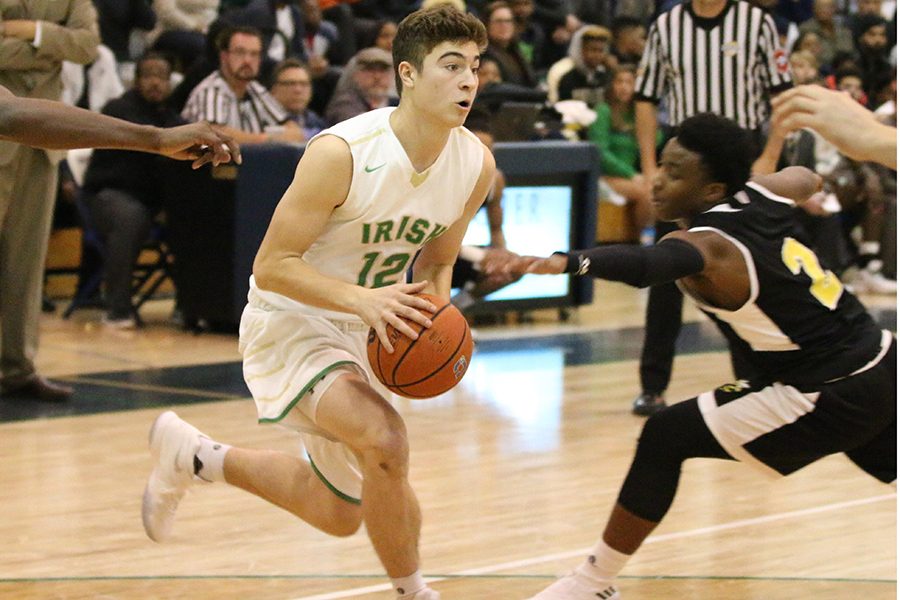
(719, 56)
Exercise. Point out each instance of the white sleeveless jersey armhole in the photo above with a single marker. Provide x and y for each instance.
(391, 210)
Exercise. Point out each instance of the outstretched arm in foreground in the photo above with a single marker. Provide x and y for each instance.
(839, 119)
(56, 126)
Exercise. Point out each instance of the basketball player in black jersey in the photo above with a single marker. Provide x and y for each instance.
(828, 380)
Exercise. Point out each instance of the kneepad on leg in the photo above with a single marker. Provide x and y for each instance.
(669, 438)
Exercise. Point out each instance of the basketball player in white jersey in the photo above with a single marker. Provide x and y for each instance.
(368, 194)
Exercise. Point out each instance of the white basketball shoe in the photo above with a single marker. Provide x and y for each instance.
(173, 444)
(576, 586)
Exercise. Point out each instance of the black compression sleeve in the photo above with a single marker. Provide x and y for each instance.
(637, 265)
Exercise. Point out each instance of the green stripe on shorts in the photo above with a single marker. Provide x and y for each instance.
(318, 377)
(336, 491)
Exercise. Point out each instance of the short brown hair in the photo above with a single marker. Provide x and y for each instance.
(288, 63)
(223, 40)
(422, 31)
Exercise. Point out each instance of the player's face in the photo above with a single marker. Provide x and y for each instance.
(448, 81)
(680, 185)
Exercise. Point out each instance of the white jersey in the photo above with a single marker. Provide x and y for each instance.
(391, 210)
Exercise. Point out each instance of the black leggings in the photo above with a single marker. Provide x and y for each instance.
(668, 439)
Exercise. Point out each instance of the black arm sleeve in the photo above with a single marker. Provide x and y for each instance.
(637, 265)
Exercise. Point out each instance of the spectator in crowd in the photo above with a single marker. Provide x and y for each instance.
(530, 35)
(365, 85)
(629, 36)
(323, 54)
(850, 81)
(488, 73)
(122, 190)
(614, 134)
(810, 41)
(230, 96)
(118, 18)
(872, 44)
(340, 14)
(36, 38)
(588, 76)
(503, 45)
(181, 28)
(292, 87)
(383, 35)
(864, 9)
(842, 60)
(320, 36)
(281, 24)
(833, 35)
(805, 69)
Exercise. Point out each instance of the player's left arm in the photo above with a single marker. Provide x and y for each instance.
(796, 183)
(436, 260)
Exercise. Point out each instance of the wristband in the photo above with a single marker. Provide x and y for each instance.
(575, 263)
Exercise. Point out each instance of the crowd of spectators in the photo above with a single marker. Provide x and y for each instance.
(282, 70)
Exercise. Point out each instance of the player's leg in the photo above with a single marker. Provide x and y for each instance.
(183, 455)
(355, 414)
(289, 482)
(878, 456)
(669, 437)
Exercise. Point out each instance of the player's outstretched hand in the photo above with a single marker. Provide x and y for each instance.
(496, 259)
(386, 305)
(552, 265)
(199, 142)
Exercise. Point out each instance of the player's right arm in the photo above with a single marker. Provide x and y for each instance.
(321, 184)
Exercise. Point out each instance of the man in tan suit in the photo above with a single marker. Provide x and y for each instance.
(35, 37)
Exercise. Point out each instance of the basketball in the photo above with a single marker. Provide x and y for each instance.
(430, 365)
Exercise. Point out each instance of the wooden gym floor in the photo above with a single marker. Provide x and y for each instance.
(516, 471)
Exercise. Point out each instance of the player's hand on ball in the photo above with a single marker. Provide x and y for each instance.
(394, 305)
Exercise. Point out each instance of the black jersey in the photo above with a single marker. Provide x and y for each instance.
(800, 325)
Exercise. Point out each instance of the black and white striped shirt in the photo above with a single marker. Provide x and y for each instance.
(214, 101)
(729, 65)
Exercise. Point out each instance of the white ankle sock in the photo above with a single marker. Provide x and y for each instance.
(211, 457)
(603, 562)
(409, 585)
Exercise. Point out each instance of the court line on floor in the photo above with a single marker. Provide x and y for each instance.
(582, 552)
(149, 387)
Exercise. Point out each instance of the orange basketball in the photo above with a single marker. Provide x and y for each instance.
(430, 365)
